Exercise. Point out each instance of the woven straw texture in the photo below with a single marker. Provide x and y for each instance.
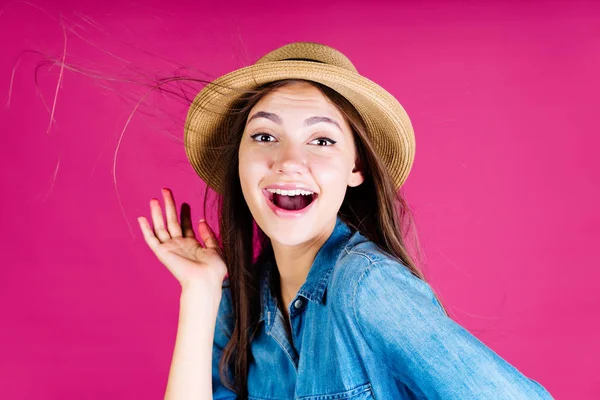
(389, 127)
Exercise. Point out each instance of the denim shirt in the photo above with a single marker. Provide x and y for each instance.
(364, 327)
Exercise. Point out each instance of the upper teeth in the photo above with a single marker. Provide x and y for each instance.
(291, 192)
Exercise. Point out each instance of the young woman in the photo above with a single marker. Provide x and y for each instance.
(311, 292)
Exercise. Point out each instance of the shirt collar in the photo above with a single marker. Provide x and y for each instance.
(316, 282)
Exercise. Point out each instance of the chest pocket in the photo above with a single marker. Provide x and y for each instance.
(362, 392)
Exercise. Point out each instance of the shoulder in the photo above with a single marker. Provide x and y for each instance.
(365, 277)
(225, 316)
(226, 293)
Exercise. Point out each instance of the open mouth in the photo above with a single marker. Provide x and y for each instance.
(290, 203)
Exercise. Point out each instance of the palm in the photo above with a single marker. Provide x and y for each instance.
(177, 247)
(183, 247)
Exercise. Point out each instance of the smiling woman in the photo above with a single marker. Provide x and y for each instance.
(308, 149)
(308, 157)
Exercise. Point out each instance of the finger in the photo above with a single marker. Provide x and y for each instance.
(157, 220)
(149, 236)
(186, 221)
(171, 211)
(207, 235)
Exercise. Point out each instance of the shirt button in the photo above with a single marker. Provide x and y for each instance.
(298, 303)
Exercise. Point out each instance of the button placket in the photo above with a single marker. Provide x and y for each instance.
(295, 320)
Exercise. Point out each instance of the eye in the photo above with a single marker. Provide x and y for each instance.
(262, 137)
(323, 142)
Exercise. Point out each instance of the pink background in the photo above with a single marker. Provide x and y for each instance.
(505, 188)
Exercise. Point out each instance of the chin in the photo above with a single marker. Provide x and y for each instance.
(289, 238)
(285, 231)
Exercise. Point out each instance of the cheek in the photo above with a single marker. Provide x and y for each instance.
(252, 167)
(330, 171)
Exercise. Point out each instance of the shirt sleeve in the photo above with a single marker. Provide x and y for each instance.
(433, 355)
(223, 331)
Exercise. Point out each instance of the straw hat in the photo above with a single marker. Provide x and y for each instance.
(388, 125)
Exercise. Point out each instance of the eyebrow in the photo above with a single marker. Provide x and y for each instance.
(307, 122)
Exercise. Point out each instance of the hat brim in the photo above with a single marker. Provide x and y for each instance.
(388, 125)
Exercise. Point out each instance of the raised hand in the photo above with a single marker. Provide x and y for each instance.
(176, 246)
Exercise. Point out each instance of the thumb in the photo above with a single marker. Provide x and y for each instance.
(207, 235)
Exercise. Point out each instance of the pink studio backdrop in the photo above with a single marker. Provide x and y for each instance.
(504, 100)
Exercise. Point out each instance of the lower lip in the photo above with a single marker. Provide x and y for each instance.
(286, 213)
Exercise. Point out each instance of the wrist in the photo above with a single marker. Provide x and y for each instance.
(209, 296)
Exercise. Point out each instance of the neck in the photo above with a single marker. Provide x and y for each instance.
(294, 263)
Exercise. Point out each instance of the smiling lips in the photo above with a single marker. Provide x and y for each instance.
(289, 203)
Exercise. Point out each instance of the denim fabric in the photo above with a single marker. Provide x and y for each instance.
(364, 327)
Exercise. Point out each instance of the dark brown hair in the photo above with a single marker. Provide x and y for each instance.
(374, 208)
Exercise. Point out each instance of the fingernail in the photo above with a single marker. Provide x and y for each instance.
(202, 220)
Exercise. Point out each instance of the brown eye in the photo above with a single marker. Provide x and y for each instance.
(263, 137)
(324, 142)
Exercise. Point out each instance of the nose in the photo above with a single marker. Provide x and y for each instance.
(290, 159)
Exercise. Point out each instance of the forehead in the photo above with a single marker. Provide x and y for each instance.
(299, 98)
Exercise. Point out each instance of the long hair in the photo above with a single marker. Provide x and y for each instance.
(374, 208)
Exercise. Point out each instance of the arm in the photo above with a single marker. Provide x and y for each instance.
(190, 373)
(201, 270)
(437, 358)
(196, 267)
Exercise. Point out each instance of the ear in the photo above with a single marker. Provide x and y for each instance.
(357, 176)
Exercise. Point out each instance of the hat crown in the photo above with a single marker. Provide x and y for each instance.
(309, 51)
